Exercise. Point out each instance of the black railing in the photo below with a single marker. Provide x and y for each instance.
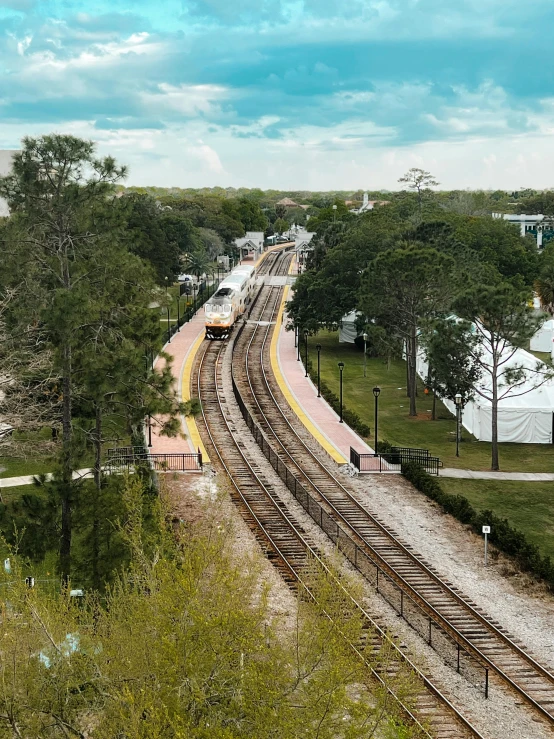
(392, 461)
(450, 647)
(127, 457)
(373, 462)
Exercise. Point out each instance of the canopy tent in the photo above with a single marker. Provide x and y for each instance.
(543, 340)
(348, 330)
(525, 414)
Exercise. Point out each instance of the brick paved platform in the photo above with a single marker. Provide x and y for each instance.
(316, 415)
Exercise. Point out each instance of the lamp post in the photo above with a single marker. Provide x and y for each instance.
(179, 310)
(306, 347)
(298, 347)
(318, 347)
(365, 354)
(168, 316)
(334, 212)
(295, 336)
(458, 401)
(149, 431)
(341, 367)
(194, 290)
(376, 394)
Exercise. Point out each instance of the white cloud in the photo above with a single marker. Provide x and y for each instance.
(188, 100)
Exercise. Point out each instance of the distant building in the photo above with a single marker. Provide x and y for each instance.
(253, 241)
(288, 203)
(367, 204)
(302, 245)
(539, 226)
(6, 156)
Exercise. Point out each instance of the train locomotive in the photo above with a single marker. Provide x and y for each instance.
(229, 302)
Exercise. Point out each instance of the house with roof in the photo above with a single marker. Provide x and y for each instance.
(252, 243)
(289, 203)
(302, 245)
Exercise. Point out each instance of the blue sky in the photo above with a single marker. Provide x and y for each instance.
(315, 94)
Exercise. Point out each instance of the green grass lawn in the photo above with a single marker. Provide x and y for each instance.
(397, 427)
(38, 462)
(529, 506)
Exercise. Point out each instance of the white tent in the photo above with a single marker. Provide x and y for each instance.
(347, 330)
(543, 340)
(525, 414)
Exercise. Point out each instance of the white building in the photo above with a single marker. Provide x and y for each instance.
(253, 241)
(368, 204)
(5, 167)
(538, 226)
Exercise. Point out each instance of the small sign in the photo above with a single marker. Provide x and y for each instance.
(486, 529)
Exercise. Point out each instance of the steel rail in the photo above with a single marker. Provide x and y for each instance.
(449, 627)
(312, 552)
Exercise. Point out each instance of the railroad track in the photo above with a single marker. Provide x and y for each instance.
(448, 610)
(289, 548)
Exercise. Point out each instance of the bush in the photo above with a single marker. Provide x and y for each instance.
(350, 417)
(503, 535)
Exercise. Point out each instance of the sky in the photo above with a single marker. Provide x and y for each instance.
(289, 94)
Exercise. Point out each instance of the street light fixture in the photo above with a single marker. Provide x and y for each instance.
(179, 310)
(376, 394)
(306, 352)
(318, 347)
(341, 367)
(458, 401)
(168, 315)
(365, 354)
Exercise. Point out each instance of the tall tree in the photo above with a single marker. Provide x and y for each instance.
(57, 193)
(504, 321)
(401, 290)
(453, 368)
(420, 181)
(544, 284)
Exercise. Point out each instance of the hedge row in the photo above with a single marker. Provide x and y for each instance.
(505, 537)
(350, 417)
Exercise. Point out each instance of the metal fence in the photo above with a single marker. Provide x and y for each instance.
(393, 460)
(373, 462)
(127, 457)
(407, 605)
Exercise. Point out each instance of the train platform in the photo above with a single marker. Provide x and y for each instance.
(182, 349)
(315, 413)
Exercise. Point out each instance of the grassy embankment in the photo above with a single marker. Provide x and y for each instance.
(528, 506)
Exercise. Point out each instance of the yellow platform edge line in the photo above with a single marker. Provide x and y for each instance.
(186, 395)
(291, 400)
(186, 375)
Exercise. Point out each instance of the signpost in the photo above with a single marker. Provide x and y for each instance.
(486, 531)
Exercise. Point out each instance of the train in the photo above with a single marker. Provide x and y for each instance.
(229, 301)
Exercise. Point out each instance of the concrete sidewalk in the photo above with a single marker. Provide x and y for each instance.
(13, 482)
(490, 475)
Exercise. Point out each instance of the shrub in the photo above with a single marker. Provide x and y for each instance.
(503, 535)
